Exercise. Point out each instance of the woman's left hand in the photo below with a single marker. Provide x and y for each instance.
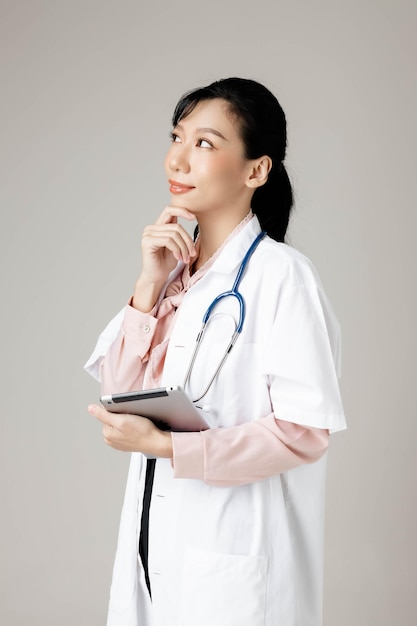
(133, 433)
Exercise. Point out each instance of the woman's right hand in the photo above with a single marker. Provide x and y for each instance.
(163, 244)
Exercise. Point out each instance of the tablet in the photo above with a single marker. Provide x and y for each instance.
(168, 407)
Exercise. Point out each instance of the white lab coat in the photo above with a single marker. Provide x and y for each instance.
(247, 555)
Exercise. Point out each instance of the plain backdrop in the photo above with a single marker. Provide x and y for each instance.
(87, 92)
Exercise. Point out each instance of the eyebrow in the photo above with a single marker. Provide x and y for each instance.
(207, 129)
(213, 131)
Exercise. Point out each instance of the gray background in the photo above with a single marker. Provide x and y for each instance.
(88, 87)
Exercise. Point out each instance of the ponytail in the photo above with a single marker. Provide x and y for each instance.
(272, 203)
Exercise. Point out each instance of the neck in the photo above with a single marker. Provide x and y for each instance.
(212, 234)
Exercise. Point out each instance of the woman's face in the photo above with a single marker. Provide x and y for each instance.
(205, 165)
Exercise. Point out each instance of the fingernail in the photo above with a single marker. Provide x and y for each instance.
(92, 408)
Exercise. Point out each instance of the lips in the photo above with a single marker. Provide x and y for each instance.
(176, 187)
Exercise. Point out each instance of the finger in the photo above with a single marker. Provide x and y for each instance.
(110, 419)
(170, 214)
(176, 240)
(181, 246)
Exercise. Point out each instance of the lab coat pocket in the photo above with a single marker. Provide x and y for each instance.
(223, 589)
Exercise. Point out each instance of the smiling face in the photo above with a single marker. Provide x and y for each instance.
(206, 166)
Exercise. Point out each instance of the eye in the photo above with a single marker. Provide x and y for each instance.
(204, 143)
(174, 138)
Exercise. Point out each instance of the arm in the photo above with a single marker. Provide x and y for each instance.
(124, 363)
(163, 245)
(224, 457)
(123, 367)
(246, 453)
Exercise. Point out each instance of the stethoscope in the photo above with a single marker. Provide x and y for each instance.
(238, 327)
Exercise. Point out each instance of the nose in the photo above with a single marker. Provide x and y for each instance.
(178, 158)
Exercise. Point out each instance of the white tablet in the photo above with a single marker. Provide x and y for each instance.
(168, 407)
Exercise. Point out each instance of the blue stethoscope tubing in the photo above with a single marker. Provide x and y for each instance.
(235, 293)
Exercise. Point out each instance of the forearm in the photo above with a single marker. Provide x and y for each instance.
(123, 367)
(246, 453)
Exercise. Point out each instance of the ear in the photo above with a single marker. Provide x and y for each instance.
(259, 170)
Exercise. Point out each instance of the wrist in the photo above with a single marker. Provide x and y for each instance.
(165, 449)
(145, 295)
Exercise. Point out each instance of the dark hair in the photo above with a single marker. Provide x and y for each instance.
(263, 129)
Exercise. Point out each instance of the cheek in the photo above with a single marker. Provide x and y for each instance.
(222, 170)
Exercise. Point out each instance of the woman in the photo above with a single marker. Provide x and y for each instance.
(227, 522)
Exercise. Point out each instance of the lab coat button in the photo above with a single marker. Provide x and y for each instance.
(146, 328)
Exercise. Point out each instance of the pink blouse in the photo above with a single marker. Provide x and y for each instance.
(219, 456)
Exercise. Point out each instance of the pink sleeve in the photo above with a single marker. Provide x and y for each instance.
(246, 453)
(123, 367)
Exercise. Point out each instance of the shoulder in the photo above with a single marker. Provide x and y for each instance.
(281, 263)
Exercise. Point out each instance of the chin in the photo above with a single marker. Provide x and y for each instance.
(180, 200)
